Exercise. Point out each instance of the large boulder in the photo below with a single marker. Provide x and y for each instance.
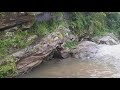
(85, 50)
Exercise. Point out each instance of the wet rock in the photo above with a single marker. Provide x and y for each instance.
(108, 39)
(75, 53)
(65, 53)
(85, 50)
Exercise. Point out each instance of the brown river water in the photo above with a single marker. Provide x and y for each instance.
(72, 68)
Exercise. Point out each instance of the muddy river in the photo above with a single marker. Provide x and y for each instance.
(72, 68)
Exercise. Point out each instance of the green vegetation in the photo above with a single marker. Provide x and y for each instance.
(89, 23)
(11, 42)
(44, 28)
(94, 23)
(8, 67)
(71, 44)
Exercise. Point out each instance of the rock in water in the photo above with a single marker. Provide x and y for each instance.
(85, 50)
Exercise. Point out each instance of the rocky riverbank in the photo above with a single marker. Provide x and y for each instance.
(28, 39)
(104, 50)
(87, 60)
(33, 55)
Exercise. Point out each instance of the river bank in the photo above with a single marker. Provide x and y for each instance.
(30, 39)
(91, 60)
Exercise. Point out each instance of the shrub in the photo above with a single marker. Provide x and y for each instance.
(8, 68)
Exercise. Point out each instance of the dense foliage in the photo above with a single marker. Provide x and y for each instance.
(94, 23)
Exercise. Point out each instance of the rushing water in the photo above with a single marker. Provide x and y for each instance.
(72, 68)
